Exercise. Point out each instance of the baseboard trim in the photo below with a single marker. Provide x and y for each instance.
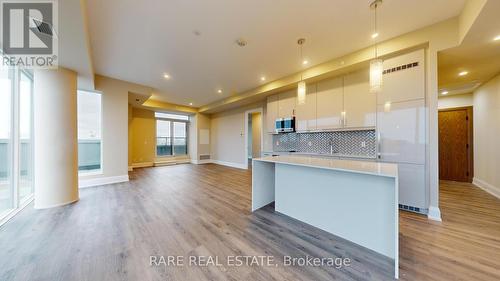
(83, 183)
(434, 213)
(199, 162)
(230, 164)
(14, 212)
(38, 207)
(491, 189)
(142, 165)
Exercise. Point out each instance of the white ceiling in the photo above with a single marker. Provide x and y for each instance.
(478, 54)
(138, 41)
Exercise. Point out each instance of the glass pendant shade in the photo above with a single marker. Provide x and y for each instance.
(301, 92)
(376, 79)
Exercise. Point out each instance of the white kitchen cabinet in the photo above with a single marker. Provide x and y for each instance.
(330, 104)
(401, 132)
(407, 82)
(412, 188)
(359, 103)
(305, 114)
(286, 103)
(271, 113)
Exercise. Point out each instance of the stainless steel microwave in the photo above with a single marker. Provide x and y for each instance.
(285, 125)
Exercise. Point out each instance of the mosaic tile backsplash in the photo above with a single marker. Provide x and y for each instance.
(355, 143)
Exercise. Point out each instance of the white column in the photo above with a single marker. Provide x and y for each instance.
(55, 138)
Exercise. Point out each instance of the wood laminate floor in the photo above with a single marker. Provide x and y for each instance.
(203, 210)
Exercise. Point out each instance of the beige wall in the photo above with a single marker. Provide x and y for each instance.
(487, 136)
(115, 115)
(227, 137)
(455, 101)
(143, 126)
(256, 134)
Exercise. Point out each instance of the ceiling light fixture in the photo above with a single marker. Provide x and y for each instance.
(444, 93)
(463, 73)
(305, 62)
(497, 38)
(219, 91)
(376, 65)
(374, 35)
(166, 76)
(301, 87)
(263, 78)
(190, 103)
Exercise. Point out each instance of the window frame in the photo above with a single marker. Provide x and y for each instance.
(100, 171)
(171, 135)
(14, 152)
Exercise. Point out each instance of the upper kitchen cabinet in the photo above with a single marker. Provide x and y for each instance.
(271, 113)
(359, 103)
(286, 103)
(404, 78)
(306, 113)
(330, 104)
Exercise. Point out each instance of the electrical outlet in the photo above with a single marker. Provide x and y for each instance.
(363, 144)
(310, 143)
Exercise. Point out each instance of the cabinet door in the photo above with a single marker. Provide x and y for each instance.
(330, 104)
(407, 82)
(412, 189)
(286, 103)
(271, 113)
(359, 103)
(305, 114)
(402, 132)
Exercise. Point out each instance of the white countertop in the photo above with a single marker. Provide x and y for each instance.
(354, 166)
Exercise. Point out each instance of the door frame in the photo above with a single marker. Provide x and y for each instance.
(470, 133)
(245, 134)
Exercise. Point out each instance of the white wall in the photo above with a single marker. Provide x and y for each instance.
(114, 130)
(455, 101)
(227, 136)
(487, 136)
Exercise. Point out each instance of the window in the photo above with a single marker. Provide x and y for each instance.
(25, 134)
(89, 131)
(171, 134)
(16, 142)
(6, 186)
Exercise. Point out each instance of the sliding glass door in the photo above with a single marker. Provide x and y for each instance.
(16, 140)
(6, 184)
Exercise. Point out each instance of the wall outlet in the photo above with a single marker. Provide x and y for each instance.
(363, 144)
(310, 143)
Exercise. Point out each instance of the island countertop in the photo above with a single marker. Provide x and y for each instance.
(354, 166)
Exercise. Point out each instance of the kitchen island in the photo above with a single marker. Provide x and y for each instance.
(355, 200)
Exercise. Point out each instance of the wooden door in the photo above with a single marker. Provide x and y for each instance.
(455, 144)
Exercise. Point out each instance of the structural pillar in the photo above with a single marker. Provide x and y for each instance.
(55, 138)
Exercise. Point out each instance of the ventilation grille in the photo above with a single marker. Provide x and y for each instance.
(204, 156)
(401, 67)
(413, 209)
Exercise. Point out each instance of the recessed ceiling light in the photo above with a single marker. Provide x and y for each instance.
(190, 103)
(263, 78)
(463, 73)
(305, 62)
(219, 91)
(444, 93)
(166, 76)
(374, 35)
(497, 38)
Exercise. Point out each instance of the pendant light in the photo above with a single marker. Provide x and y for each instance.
(376, 65)
(301, 87)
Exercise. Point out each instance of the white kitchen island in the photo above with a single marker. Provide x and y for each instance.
(355, 200)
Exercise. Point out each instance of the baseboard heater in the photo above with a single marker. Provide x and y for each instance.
(413, 209)
(204, 157)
